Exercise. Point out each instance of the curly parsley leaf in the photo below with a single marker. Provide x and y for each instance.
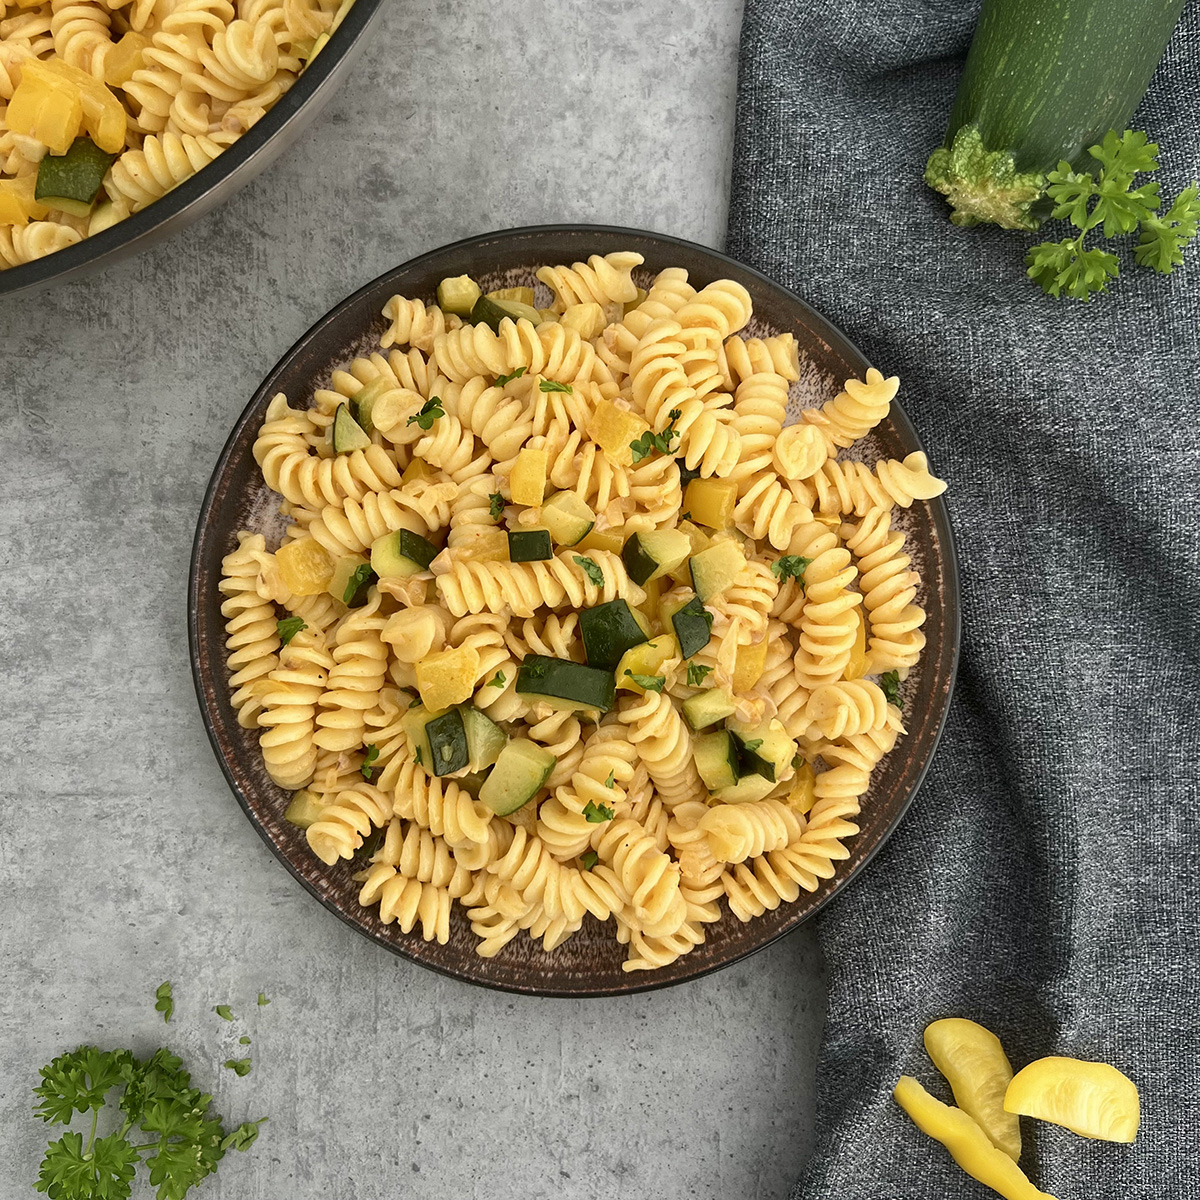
(1063, 267)
(611, 781)
(696, 673)
(646, 445)
(368, 763)
(262, 999)
(589, 860)
(495, 506)
(590, 569)
(1127, 155)
(164, 1002)
(78, 1081)
(224, 1012)
(243, 1040)
(552, 385)
(498, 680)
(239, 1066)
(102, 1172)
(1070, 190)
(430, 411)
(417, 757)
(501, 380)
(649, 683)
(362, 577)
(790, 566)
(1162, 241)
(244, 1136)
(597, 814)
(288, 627)
(889, 682)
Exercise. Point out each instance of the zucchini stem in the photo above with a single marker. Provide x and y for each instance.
(982, 185)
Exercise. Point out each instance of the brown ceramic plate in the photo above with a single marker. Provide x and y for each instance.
(589, 964)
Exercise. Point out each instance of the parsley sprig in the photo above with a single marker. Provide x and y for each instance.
(185, 1140)
(368, 763)
(889, 682)
(648, 683)
(430, 411)
(1110, 201)
(553, 385)
(591, 569)
(645, 445)
(495, 505)
(288, 627)
(790, 566)
(696, 673)
(597, 814)
(501, 380)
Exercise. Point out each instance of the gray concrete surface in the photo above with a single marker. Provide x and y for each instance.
(123, 858)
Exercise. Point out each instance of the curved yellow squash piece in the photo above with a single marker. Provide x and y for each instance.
(967, 1143)
(1089, 1098)
(978, 1071)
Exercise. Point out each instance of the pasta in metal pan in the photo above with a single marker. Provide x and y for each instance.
(568, 620)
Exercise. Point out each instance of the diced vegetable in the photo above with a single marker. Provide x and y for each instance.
(102, 115)
(519, 774)
(347, 570)
(513, 295)
(693, 627)
(377, 405)
(646, 660)
(70, 181)
(748, 665)
(417, 469)
(18, 204)
(527, 482)
(401, 555)
(711, 502)
(487, 311)
(45, 108)
(856, 668)
(587, 320)
(613, 428)
(747, 789)
(413, 723)
(1091, 1099)
(447, 677)
(609, 539)
(803, 794)
(967, 1143)
(714, 569)
(472, 782)
(651, 555)
(125, 57)
(529, 545)
(716, 758)
(485, 739)
(458, 295)
(609, 630)
(566, 685)
(708, 707)
(699, 539)
(491, 545)
(568, 518)
(346, 434)
(447, 743)
(303, 809)
(978, 1071)
(765, 748)
(1042, 84)
(305, 567)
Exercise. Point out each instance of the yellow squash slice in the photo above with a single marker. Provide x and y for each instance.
(1091, 1099)
(967, 1143)
(978, 1071)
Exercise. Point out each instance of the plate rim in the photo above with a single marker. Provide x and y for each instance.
(645, 981)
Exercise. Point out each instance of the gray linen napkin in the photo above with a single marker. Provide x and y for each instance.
(1046, 880)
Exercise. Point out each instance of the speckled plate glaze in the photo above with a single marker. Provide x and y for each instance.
(588, 964)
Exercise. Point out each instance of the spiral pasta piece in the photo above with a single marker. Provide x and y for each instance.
(81, 34)
(759, 408)
(723, 307)
(603, 280)
(140, 177)
(658, 383)
(828, 625)
(664, 744)
(854, 411)
(290, 707)
(501, 422)
(788, 697)
(848, 707)
(853, 487)
(407, 902)
(748, 599)
(412, 323)
(343, 824)
(451, 448)
(649, 877)
(438, 805)
(360, 667)
(737, 832)
(548, 349)
(749, 356)
(252, 638)
(521, 588)
(415, 853)
(26, 243)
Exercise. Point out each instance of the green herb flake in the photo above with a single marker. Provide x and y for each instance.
(362, 575)
(417, 757)
(263, 1000)
(611, 781)
(552, 385)
(239, 1066)
(889, 682)
(164, 1001)
(589, 860)
(498, 680)
(696, 674)
(224, 1012)
(367, 769)
(243, 1040)
(430, 411)
(496, 506)
(244, 1136)
(288, 627)
(590, 569)
(650, 683)
(597, 814)
(790, 566)
(501, 380)
(645, 445)
(797, 762)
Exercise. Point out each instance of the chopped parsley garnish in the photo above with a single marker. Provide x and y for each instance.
(288, 627)
(243, 1040)
(224, 1012)
(262, 999)
(362, 576)
(889, 681)
(430, 411)
(597, 814)
(239, 1066)
(552, 385)
(686, 475)
(651, 683)
(645, 445)
(164, 1002)
(367, 769)
(611, 781)
(590, 569)
(498, 680)
(696, 674)
(495, 505)
(589, 860)
(797, 762)
(501, 380)
(417, 757)
(790, 566)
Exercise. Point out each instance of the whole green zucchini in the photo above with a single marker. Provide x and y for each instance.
(1044, 80)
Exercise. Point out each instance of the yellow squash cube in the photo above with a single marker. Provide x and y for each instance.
(749, 664)
(103, 115)
(18, 206)
(802, 796)
(647, 659)
(528, 480)
(305, 567)
(856, 668)
(711, 502)
(448, 677)
(609, 539)
(125, 58)
(45, 108)
(613, 428)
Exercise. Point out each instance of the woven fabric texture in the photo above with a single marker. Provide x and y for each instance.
(1046, 881)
